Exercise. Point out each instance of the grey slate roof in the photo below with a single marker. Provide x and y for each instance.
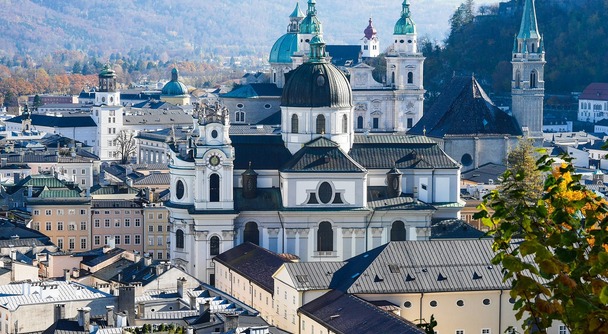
(322, 155)
(463, 108)
(312, 275)
(485, 173)
(267, 199)
(253, 262)
(9, 229)
(431, 266)
(454, 229)
(344, 55)
(247, 149)
(401, 151)
(160, 117)
(57, 122)
(153, 179)
(343, 313)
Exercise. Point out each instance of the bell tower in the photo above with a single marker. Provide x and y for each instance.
(370, 44)
(107, 114)
(528, 80)
(404, 72)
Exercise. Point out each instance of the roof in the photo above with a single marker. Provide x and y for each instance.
(317, 84)
(12, 296)
(284, 48)
(405, 24)
(344, 313)
(159, 117)
(174, 87)
(267, 199)
(98, 256)
(429, 266)
(153, 179)
(253, 262)
(254, 90)
(463, 108)
(10, 231)
(247, 149)
(312, 275)
(400, 151)
(529, 27)
(56, 121)
(454, 229)
(485, 173)
(597, 91)
(344, 55)
(322, 155)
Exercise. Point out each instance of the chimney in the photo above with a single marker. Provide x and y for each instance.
(137, 256)
(232, 322)
(84, 318)
(192, 301)
(180, 286)
(147, 259)
(160, 269)
(121, 320)
(75, 272)
(16, 178)
(203, 307)
(26, 288)
(59, 312)
(110, 315)
(66, 275)
(3, 162)
(126, 303)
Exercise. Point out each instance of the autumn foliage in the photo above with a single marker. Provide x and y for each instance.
(553, 251)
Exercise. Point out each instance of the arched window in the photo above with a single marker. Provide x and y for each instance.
(252, 233)
(517, 79)
(393, 78)
(344, 124)
(533, 79)
(325, 237)
(410, 77)
(214, 188)
(214, 245)
(294, 124)
(532, 47)
(321, 124)
(398, 231)
(240, 117)
(360, 122)
(179, 238)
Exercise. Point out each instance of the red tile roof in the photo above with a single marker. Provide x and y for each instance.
(597, 91)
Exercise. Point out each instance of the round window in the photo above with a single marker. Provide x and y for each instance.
(240, 106)
(486, 301)
(466, 159)
(214, 134)
(267, 106)
(460, 303)
(433, 303)
(325, 192)
(407, 304)
(103, 99)
(512, 300)
(320, 80)
(179, 189)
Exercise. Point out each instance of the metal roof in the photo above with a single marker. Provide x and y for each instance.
(322, 155)
(312, 275)
(57, 122)
(12, 296)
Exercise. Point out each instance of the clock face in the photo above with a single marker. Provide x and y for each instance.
(214, 160)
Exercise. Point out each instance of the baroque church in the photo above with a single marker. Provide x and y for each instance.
(340, 175)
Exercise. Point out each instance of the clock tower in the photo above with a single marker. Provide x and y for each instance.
(202, 205)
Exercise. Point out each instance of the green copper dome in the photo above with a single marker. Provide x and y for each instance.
(311, 24)
(174, 87)
(405, 25)
(283, 49)
(107, 72)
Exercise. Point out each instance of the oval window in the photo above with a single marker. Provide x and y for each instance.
(433, 303)
(267, 106)
(460, 303)
(466, 160)
(325, 192)
(179, 189)
(486, 301)
(409, 41)
(240, 106)
(320, 80)
(111, 98)
(214, 134)
(103, 99)
(401, 41)
(407, 304)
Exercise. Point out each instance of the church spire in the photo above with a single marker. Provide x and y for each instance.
(311, 24)
(528, 28)
(297, 13)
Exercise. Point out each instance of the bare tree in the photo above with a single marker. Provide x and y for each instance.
(125, 141)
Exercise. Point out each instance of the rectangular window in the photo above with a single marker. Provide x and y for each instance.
(36, 226)
(72, 243)
(96, 223)
(375, 122)
(71, 226)
(48, 226)
(37, 212)
(117, 239)
(460, 331)
(83, 243)
(150, 228)
(137, 239)
(47, 212)
(160, 228)
(127, 212)
(83, 226)
(71, 212)
(116, 212)
(83, 171)
(106, 212)
(106, 222)
(410, 122)
(60, 212)
(116, 222)
(127, 222)
(137, 222)
(151, 241)
(562, 329)
(127, 239)
(83, 211)
(60, 243)
(150, 216)
(160, 216)
(59, 226)
(159, 255)
(159, 241)
(97, 240)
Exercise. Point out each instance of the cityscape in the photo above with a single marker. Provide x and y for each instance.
(319, 188)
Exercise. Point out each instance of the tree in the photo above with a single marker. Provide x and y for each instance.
(125, 141)
(521, 161)
(554, 251)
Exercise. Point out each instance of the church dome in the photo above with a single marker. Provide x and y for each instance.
(174, 87)
(284, 48)
(107, 72)
(405, 25)
(317, 83)
(370, 32)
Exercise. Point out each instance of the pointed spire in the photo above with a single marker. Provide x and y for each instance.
(528, 28)
(297, 13)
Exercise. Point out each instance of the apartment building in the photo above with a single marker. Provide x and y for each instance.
(119, 223)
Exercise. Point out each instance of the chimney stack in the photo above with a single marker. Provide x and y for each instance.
(232, 322)
(84, 318)
(110, 315)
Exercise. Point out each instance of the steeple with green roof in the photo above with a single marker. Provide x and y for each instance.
(528, 82)
(311, 24)
(405, 25)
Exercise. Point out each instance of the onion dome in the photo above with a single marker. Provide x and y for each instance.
(317, 83)
(311, 24)
(107, 72)
(370, 32)
(174, 87)
(405, 25)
